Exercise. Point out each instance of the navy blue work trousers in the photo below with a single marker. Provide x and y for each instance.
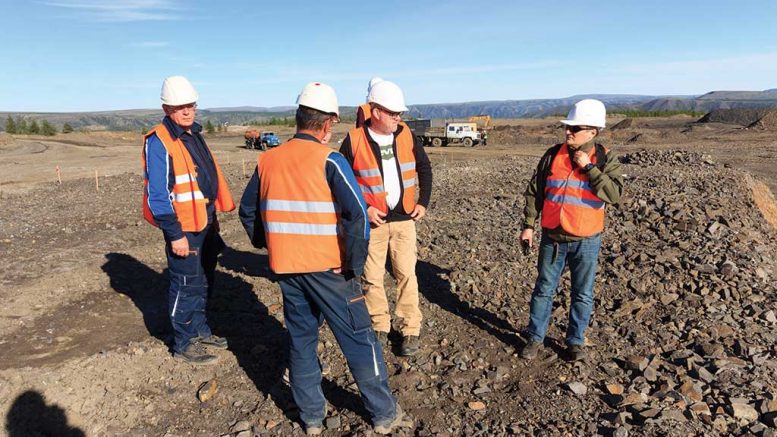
(306, 298)
(191, 279)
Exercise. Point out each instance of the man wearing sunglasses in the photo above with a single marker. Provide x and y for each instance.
(390, 167)
(569, 190)
(184, 188)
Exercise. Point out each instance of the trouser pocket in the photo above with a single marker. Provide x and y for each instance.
(357, 308)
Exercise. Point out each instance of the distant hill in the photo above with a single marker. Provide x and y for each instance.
(139, 119)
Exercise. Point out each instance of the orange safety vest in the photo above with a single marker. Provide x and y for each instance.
(298, 208)
(367, 170)
(187, 199)
(363, 113)
(570, 201)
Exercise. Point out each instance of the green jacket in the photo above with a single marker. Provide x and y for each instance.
(607, 184)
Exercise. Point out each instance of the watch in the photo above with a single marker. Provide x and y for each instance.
(588, 167)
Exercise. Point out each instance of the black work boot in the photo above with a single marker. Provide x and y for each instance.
(195, 354)
(383, 339)
(575, 352)
(530, 351)
(212, 341)
(410, 345)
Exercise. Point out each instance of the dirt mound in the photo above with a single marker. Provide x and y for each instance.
(767, 122)
(5, 138)
(624, 124)
(742, 117)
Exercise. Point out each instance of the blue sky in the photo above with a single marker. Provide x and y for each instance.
(82, 55)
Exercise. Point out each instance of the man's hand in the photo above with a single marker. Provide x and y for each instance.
(581, 158)
(418, 212)
(527, 235)
(375, 216)
(180, 247)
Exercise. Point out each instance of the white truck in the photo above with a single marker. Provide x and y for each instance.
(452, 133)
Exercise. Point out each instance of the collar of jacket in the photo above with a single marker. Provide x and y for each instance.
(306, 137)
(585, 147)
(177, 131)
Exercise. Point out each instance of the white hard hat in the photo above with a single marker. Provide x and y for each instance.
(319, 96)
(177, 90)
(388, 95)
(374, 81)
(587, 112)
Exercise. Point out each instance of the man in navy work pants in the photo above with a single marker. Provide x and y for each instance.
(184, 188)
(304, 205)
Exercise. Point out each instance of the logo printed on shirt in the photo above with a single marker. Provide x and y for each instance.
(387, 152)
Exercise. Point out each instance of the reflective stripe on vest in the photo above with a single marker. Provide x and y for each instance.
(570, 201)
(298, 210)
(188, 201)
(367, 170)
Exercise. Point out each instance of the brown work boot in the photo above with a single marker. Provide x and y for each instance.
(400, 421)
(530, 351)
(195, 354)
(410, 345)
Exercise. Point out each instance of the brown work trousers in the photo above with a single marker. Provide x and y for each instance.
(399, 240)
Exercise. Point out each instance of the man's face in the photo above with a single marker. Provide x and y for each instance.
(576, 136)
(182, 115)
(385, 121)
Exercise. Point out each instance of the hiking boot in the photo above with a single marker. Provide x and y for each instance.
(316, 429)
(195, 354)
(382, 338)
(410, 345)
(529, 352)
(575, 352)
(400, 421)
(213, 341)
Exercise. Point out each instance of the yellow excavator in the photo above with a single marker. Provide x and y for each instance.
(484, 125)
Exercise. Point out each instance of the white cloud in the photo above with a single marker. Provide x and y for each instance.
(122, 10)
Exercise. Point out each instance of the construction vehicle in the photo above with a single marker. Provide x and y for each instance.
(252, 138)
(255, 139)
(484, 125)
(430, 133)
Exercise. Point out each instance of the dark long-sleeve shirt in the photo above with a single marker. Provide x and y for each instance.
(353, 210)
(423, 169)
(161, 177)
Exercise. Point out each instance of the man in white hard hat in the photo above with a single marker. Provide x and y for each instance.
(184, 187)
(363, 111)
(570, 188)
(304, 205)
(391, 167)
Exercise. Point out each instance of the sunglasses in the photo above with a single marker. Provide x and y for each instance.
(576, 129)
(390, 113)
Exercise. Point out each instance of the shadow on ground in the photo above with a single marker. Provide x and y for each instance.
(30, 416)
(256, 338)
(434, 285)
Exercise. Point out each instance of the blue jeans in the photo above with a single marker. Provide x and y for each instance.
(190, 278)
(306, 298)
(581, 257)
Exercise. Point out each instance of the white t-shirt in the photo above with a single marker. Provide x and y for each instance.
(391, 181)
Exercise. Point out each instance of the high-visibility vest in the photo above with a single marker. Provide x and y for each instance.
(187, 199)
(363, 113)
(367, 170)
(570, 201)
(298, 209)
